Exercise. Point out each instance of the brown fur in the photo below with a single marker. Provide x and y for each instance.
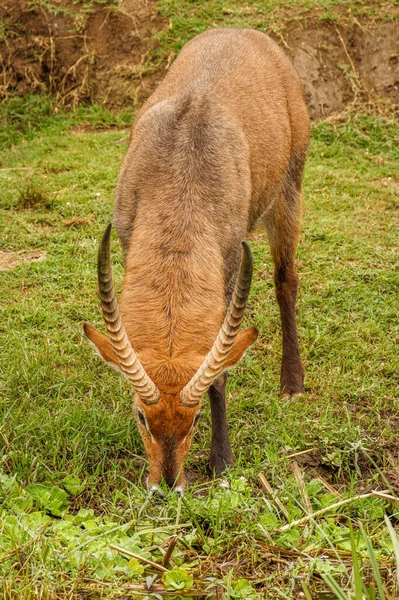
(218, 145)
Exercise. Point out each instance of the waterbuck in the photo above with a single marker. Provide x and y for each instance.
(219, 145)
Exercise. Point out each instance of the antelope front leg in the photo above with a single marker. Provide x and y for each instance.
(221, 453)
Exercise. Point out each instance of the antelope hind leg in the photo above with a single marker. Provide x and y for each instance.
(283, 227)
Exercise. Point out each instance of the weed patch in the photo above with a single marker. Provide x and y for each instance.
(33, 195)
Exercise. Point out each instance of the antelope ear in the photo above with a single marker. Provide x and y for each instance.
(244, 339)
(102, 345)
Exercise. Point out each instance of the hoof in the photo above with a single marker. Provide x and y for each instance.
(292, 388)
(290, 395)
(156, 491)
(218, 467)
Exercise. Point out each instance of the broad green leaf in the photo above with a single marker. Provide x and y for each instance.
(242, 589)
(20, 504)
(290, 538)
(90, 525)
(327, 500)
(50, 498)
(73, 485)
(135, 568)
(269, 521)
(177, 579)
(9, 487)
(326, 566)
(84, 514)
(104, 572)
(239, 485)
(314, 487)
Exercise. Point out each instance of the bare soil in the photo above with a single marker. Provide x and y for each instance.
(338, 65)
(11, 260)
(105, 55)
(76, 55)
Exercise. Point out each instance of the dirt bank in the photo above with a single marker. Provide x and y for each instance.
(109, 55)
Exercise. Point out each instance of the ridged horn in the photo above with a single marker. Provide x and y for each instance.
(127, 358)
(213, 365)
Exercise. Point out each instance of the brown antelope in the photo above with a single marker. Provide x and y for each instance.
(219, 145)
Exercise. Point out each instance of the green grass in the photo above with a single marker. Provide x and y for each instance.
(66, 419)
(22, 117)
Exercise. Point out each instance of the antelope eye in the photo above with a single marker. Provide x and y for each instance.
(142, 419)
(196, 418)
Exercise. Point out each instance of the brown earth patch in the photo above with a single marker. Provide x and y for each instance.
(11, 260)
(78, 221)
(105, 56)
(339, 65)
(76, 55)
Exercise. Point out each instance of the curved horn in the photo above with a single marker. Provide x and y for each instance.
(213, 365)
(128, 360)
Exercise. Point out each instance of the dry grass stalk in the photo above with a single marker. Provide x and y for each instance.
(348, 56)
(273, 495)
(320, 512)
(137, 589)
(290, 553)
(385, 496)
(301, 452)
(139, 558)
(169, 552)
(359, 85)
(16, 169)
(301, 486)
(329, 487)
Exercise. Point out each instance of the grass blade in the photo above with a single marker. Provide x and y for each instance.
(356, 569)
(306, 591)
(374, 564)
(334, 587)
(395, 542)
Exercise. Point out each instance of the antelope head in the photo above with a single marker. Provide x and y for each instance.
(166, 415)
